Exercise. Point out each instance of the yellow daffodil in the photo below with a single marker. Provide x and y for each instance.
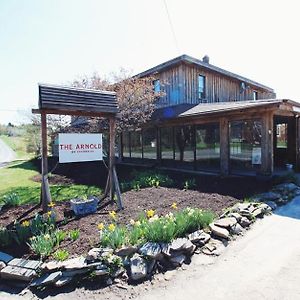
(174, 205)
(100, 226)
(25, 224)
(113, 214)
(150, 213)
(51, 204)
(111, 227)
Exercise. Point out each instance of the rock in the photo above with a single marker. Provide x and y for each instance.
(109, 281)
(165, 249)
(271, 204)
(219, 231)
(118, 272)
(269, 196)
(74, 263)
(199, 238)
(97, 253)
(2, 265)
(285, 188)
(5, 257)
(259, 212)
(237, 216)
(138, 267)
(226, 222)
(51, 266)
(237, 229)
(46, 279)
(183, 245)
(152, 250)
(63, 281)
(126, 251)
(177, 260)
(240, 206)
(214, 247)
(245, 222)
(102, 271)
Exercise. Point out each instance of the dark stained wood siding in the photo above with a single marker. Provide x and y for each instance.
(180, 84)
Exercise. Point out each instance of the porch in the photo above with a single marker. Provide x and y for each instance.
(232, 138)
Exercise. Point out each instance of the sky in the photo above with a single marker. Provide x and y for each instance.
(56, 41)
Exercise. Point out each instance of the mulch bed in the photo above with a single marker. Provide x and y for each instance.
(160, 199)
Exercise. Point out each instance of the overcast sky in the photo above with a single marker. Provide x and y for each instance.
(54, 41)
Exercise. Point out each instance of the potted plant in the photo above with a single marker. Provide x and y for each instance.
(85, 205)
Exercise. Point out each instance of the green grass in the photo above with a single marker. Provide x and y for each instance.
(16, 178)
(18, 144)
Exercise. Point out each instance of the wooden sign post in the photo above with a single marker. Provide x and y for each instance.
(78, 102)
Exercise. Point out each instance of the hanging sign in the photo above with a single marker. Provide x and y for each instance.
(76, 147)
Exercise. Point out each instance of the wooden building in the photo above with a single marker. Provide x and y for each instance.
(216, 121)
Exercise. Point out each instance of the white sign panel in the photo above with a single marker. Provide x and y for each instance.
(74, 147)
(256, 156)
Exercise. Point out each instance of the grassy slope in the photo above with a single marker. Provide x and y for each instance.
(15, 178)
(17, 143)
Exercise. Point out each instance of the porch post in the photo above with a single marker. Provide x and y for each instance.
(224, 146)
(267, 153)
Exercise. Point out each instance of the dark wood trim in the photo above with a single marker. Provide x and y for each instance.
(224, 146)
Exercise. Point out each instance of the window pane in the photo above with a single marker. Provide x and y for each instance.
(281, 135)
(245, 145)
(208, 146)
(166, 143)
(156, 84)
(125, 137)
(201, 87)
(136, 144)
(149, 147)
(184, 144)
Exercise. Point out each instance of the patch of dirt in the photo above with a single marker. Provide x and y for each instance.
(160, 199)
(54, 179)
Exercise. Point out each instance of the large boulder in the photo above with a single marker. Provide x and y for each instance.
(138, 267)
(226, 222)
(199, 238)
(152, 250)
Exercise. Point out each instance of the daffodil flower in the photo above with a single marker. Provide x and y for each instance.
(25, 224)
(150, 213)
(100, 226)
(113, 214)
(51, 204)
(174, 205)
(111, 227)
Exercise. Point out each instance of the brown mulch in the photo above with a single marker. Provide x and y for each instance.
(160, 199)
(53, 179)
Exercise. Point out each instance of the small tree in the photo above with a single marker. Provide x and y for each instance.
(136, 98)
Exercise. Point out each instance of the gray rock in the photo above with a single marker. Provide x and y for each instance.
(101, 271)
(219, 231)
(177, 260)
(126, 251)
(235, 215)
(165, 249)
(97, 253)
(259, 212)
(63, 281)
(74, 263)
(269, 196)
(271, 204)
(285, 188)
(245, 222)
(2, 265)
(237, 229)
(118, 272)
(182, 245)
(199, 238)
(240, 207)
(214, 247)
(152, 250)
(46, 279)
(51, 265)
(138, 267)
(226, 222)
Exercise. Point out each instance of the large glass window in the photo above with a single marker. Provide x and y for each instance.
(184, 150)
(245, 145)
(201, 87)
(126, 144)
(166, 143)
(150, 143)
(136, 144)
(208, 146)
(281, 135)
(156, 84)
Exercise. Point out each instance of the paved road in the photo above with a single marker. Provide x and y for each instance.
(6, 154)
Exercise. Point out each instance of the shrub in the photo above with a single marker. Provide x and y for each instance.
(61, 254)
(189, 184)
(11, 200)
(59, 236)
(43, 244)
(113, 236)
(74, 234)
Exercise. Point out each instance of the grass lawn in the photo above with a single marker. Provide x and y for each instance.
(16, 178)
(18, 144)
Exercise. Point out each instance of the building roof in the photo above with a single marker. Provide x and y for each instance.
(211, 108)
(191, 60)
(53, 97)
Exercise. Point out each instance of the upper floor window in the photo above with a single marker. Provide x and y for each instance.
(156, 84)
(255, 95)
(201, 87)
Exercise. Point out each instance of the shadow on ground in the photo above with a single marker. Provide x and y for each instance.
(291, 210)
